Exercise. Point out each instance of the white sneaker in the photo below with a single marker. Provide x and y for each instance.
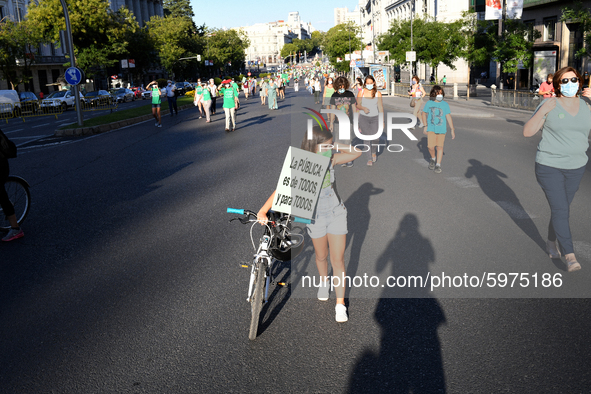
(341, 313)
(323, 291)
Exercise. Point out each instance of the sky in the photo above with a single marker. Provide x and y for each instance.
(235, 13)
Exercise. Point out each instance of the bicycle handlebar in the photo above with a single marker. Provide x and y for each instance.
(247, 212)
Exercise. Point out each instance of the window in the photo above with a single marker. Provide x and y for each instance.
(530, 28)
(550, 29)
(1, 12)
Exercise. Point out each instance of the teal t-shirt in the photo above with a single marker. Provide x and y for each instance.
(156, 95)
(436, 112)
(229, 94)
(565, 138)
(235, 86)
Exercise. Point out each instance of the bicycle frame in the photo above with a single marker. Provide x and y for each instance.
(261, 255)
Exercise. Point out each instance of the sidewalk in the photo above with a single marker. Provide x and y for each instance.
(467, 109)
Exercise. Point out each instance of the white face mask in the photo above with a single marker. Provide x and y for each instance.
(439, 97)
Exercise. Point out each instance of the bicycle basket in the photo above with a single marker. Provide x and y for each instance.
(288, 247)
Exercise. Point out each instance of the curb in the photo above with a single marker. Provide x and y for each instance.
(460, 114)
(93, 130)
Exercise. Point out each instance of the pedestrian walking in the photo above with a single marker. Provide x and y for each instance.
(156, 94)
(444, 80)
(272, 94)
(213, 90)
(326, 97)
(15, 232)
(417, 93)
(547, 88)
(245, 87)
(435, 116)
(316, 90)
(369, 104)
(230, 103)
(329, 226)
(296, 85)
(344, 100)
(358, 86)
(561, 159)
(263, 88)
(196, 98)
(204, 100)
(171, 97)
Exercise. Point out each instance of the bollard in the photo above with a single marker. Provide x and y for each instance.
(455, 91)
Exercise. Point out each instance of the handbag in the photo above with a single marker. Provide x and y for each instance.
(412, 102)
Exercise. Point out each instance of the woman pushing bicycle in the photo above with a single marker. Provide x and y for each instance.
(329, 225)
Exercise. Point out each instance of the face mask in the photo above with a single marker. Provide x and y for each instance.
(569, 89)
(369, 86)
(341, 91)
(329, 81)
(414, 82)
(439, 97)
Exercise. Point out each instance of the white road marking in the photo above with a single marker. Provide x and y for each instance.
(13, 131)
(41, 125)
(462, 182)
(513, 210)
(28, 137)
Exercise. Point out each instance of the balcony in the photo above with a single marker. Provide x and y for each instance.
(58, 59)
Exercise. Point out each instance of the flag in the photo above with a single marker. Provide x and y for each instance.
(494, 9)
(514, 9)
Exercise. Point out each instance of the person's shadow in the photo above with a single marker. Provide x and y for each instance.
(489, 180)
(358, 219)
(409, 359)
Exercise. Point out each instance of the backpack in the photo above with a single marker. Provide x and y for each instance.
(7, 147)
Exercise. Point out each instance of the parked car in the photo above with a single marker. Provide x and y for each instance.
(9, 101)
(63, 98)
(29, 102)
(137, 92)
(122, 95)
(146, 94)
(182, 88)
(98, 97)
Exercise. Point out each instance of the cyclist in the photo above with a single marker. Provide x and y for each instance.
(15, 231)
(329, 227)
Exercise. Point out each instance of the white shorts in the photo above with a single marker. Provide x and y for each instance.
(331, 215)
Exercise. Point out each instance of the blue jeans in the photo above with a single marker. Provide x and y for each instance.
(560, 187)
(172, 104)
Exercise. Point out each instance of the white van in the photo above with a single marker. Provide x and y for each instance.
(9, 101)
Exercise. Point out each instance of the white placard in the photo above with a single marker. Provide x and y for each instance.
(300, 183)
(411, 56)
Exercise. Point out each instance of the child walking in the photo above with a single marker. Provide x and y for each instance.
(435, 116)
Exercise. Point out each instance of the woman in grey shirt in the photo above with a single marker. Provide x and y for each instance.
(565, 121)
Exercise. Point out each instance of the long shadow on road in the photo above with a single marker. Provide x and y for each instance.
(409, 359)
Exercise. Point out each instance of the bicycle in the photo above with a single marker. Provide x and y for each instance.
(278, 243)
(20, 196)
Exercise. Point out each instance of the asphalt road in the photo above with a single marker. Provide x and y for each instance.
(129, 281)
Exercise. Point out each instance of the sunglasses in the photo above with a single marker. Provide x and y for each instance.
(573, 80)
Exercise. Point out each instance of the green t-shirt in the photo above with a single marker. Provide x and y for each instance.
(327, 181)
(198, 90)
(235, 86)
(206, 94)
(156, 95)
(565, 138)
(229, 95)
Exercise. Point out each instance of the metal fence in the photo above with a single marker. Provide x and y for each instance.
(100, 103)
(401, 89)
(6, 111)
(515, 99)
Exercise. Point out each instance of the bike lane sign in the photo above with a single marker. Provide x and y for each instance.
(300, 183)
(73, 76)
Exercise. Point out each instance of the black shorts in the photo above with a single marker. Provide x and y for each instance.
(155, 105)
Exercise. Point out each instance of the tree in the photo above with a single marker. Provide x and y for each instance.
(340, 40)
(100, 34)
(178, 8)
(226, 49)
(515, 45)
(289, 49)
(434, 42)
(17, 41)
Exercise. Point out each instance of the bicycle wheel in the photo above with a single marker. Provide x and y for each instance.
(18, 194)
(256, 301)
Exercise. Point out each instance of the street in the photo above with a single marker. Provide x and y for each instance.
(128, 279)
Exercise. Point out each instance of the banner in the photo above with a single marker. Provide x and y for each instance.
(494, 10)
(380, 74)
(514, 9)
(300, 183)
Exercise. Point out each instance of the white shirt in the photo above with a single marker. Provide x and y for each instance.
(170, 90)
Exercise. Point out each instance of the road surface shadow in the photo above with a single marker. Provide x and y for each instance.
(409, 358)
(489, 180)
(358, 219)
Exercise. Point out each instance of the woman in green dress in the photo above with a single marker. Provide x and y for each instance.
(272, 94)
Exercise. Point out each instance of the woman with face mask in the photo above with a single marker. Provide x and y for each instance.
(417, 93)
(272, 94)
(343, 100)
(369, 104)
(565, 122)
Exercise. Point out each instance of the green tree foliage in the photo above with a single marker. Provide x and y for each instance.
(340, 40)
(100, 34)
(226, 49)
(581, 15)
(514, 45)
(289, 49)
(178, 8)
(480, 38)
(434, 42)
(17, 43)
